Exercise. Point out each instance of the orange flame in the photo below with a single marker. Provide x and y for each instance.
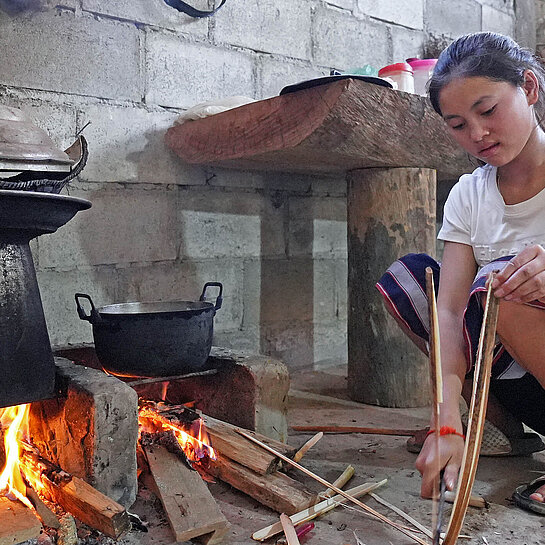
(15, 419)
(194, 442)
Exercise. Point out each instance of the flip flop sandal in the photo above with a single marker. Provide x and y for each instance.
(495, 443)
(521, 496)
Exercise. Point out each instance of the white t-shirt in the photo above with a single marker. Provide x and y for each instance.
(476, 214)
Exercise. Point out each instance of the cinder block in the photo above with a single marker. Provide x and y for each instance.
(442, 19)
(266, 25)
(497, 21)
(125, 224)
(334, 186)
(182, 74)
(229, 178)
(317, 227)
(90, 430)
(228, 225)
(341, 284)
(276, 74)
(330, 343)
(150, 13)
(525, 23)
(57, 289)
(406, 43)
(127, 144)
(292, 343)
(252, 293)
(185, 281)
(58, 51)
(325, 291)
(287, 290)
(409, 13)
(342, 41)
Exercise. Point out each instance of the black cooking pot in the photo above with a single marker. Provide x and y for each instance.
(153, 339)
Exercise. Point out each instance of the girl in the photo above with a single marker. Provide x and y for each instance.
(490, 92)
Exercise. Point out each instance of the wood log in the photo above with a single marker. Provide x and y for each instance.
(356, 429)
(225, 439)
(77, 497)
(391, 212)
(328, 129)
(189, 506)
(17, 522)
(275, 490)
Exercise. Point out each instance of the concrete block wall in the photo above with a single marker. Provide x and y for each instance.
(159, 229)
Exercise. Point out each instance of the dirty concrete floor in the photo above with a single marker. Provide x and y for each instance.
(319, 397)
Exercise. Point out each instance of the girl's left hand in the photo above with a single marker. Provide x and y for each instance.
(523, 278)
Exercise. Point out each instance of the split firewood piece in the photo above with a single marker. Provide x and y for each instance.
(189, 506)
(307, 446)
(477, 414)
(366, 508)
(356, 429)
(339, 482)
(316, 510)
(226, 440)
(275, 490)
(289, 530)
(46, 515)
(474, 501)
(77, 497)
(17, 522)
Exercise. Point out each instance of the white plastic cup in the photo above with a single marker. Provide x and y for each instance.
(422, 72)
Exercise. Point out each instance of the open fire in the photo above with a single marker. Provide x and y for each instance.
(14, 420)
(183, 425)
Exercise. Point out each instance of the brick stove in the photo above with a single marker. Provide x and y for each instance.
(90, 428)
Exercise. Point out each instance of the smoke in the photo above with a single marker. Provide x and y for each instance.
(13, 7)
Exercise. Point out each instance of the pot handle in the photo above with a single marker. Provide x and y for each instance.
(219, 298)
(93, 317)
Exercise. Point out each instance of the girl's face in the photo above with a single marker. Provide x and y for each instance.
(491, 120)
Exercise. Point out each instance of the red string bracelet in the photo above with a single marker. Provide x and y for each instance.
(447, 430)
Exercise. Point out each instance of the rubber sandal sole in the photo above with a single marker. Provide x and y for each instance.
(495, 444)
(521, 497)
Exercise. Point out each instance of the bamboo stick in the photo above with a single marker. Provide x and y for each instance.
(338, 490)
(316, 510)
(477, 414)
(289, 530)
(436, 380)
(307, 446)
(340, 481)
(356, 429)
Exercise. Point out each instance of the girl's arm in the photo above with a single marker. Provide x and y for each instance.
(458, 270)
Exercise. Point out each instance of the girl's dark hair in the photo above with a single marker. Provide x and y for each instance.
(489, 55)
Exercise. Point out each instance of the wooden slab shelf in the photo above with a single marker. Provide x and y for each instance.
(333, 128)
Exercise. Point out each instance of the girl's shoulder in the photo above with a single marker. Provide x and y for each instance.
(479, 182)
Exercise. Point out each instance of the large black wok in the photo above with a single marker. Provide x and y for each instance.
(153, 339)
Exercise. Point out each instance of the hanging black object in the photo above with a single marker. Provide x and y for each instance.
(190, 10)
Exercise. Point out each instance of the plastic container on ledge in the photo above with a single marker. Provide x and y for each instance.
(401, 73)
(422, 71)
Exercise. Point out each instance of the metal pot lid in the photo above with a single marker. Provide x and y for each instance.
(24, 146)
(157, 307)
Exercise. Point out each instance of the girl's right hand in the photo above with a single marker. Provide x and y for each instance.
(451, 451)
